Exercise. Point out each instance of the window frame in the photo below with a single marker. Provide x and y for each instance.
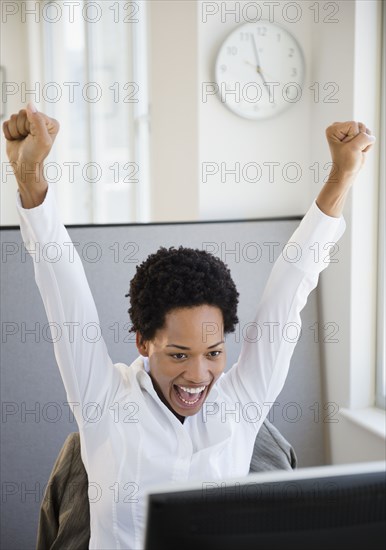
(95, 195)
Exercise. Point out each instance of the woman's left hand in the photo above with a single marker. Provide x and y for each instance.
(349, 142)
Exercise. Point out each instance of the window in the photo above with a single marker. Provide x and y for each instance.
(381, 302)
(94, 75)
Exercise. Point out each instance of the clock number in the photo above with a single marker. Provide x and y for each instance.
(223, 68)
(294, 71)
(278, 37)
(262, 31)
(232, 50)
(315, 8)
(245, 36)
(291, 54)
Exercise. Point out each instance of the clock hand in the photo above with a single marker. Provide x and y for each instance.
(265, 72)
(258, 68)
(266, 85)
(256, 53)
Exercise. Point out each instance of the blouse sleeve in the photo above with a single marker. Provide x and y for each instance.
(259, 374)
(88, 374)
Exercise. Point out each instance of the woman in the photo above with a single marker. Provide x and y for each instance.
(173, 415)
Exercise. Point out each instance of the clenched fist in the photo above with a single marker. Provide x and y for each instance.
(30, 136)
(348, 142)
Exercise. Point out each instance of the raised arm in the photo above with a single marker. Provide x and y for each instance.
(262, 367)
(349, 142)
(30, 136)
(89, 377)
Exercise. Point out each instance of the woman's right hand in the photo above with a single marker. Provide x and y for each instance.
(30, 136)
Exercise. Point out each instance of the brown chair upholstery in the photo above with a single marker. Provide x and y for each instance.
(64, 520)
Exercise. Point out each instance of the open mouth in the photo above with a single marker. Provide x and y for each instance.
(189, 399)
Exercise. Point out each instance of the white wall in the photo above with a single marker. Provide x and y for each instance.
(349, 290)
(174, 139)
(226, 137)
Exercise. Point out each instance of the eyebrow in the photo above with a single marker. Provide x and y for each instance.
(184, 347)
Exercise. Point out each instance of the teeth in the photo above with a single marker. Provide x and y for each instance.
(193, 390)
(190, 402)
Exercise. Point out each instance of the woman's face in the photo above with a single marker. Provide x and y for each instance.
(186, 357)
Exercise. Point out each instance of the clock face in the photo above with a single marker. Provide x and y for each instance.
(259, 70)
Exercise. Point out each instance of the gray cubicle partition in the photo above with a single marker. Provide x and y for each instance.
(35, 419)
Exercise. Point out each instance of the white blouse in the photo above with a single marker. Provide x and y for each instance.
(129, 439)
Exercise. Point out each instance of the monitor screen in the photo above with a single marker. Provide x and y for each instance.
(311, 508)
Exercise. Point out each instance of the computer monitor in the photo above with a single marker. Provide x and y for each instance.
(339, 507)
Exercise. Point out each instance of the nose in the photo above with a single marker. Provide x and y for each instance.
(198, 372)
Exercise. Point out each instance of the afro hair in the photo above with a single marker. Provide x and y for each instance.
(176, 278)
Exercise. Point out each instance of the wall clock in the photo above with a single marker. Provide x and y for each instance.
(259, 70)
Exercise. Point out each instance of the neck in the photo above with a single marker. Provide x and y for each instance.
(164, 401)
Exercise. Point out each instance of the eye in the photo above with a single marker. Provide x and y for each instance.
(218, 353)
(178, 355)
